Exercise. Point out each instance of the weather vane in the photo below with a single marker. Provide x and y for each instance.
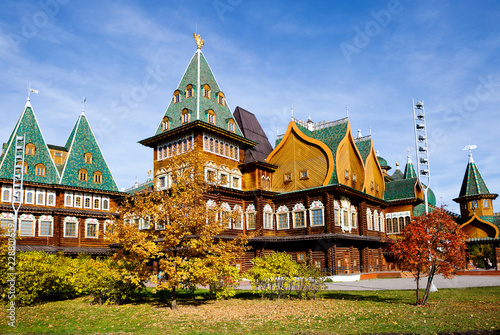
(199, 41)
(470, 148)
(83, 104)
(30, 90)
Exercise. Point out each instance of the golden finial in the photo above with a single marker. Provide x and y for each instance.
(199, 41)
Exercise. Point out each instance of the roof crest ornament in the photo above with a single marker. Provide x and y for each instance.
(83, 105)
(30, 90)
(470, 148)
(199, 41)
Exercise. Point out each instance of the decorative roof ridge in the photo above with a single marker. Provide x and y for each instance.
(82, 116)
(18, 124)
(317, 125)
(365, 138)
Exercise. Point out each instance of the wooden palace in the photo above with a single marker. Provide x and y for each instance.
(68, 191)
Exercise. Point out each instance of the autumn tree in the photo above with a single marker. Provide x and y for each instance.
(179, 229)
(431, 244)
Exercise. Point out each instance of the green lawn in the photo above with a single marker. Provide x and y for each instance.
(335, 312)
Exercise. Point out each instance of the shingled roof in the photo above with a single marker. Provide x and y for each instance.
(251, 129)
(409, 170)
(473, 183)
(198, 65)
(27, 126)
(82, 141)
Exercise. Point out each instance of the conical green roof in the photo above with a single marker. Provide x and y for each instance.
(80, 142)
(473, 182)
(198, 68)
(409, 170)
(27, 126)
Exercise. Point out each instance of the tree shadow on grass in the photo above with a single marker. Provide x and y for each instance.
(336, 295)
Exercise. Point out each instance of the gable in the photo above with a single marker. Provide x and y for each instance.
(82, 142)
(28, 127)
(298, 153)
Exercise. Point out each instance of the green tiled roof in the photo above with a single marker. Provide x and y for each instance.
(410, 170)
(495, 219)
(400, 189)
(174, 110)
(139, 188)
(397, 175)
(80, 142)
(364, 145)
(382, 162)
(473, 182)
(27, 125)
(331, 136)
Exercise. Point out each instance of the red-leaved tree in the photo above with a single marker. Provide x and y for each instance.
(431, 244)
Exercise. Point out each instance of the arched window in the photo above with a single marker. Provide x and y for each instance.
(474, 204)
(87, 202)
(211, 145)
(486, 203)
(206, 91)
(401, 224)
(268, 217)
(98, 177)
(211, 117)
(216, 146)
(220, 98)
(395, 228)
(82, 175)
(189, 91)
(30, 149)
(230, 125)
(185, 116)
(388, 227)
(88, 158)
(177, 96)
(24, 168)
(40, 170)
(165, 124)
(369, 219)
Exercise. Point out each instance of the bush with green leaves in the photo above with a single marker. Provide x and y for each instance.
(277, 274)
(43, 277)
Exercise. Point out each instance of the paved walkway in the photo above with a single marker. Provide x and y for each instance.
(407, 283)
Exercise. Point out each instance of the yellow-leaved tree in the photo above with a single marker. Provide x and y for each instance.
(181, 229)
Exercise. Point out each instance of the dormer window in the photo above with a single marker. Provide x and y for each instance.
(82, 175)
(211, 117)
(185, 116)
(177, 96)
(189, 91)
(165, 124)
(88, 158)
(40, 170)
(98, 177)
(220, 99)
(30, 149)
(230, 126)
(206, 91)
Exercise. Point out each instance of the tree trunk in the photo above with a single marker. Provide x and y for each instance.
(418, 285)
(429, 284)
(174, 299)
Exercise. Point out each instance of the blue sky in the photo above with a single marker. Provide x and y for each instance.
(127, 58)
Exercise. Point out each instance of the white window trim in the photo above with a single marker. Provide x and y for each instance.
(78, 195)
(299, 208)
(103, 202)
(238, 186)
(74, 220)
(94, 198)
(53, 193)
(225, 208)
(282, 210)
(317, 205)
(66, 203)
(10, 217)
(353, 217)
(369, 219)
(9, 189)
(38, 192)
(27, 217)
(92, 221)
(33, 193)
(85, 197)
(238, 213)
(268, 210)
(251, 211)
(46, 218)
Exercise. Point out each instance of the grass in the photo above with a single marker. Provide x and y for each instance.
(334, 312)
